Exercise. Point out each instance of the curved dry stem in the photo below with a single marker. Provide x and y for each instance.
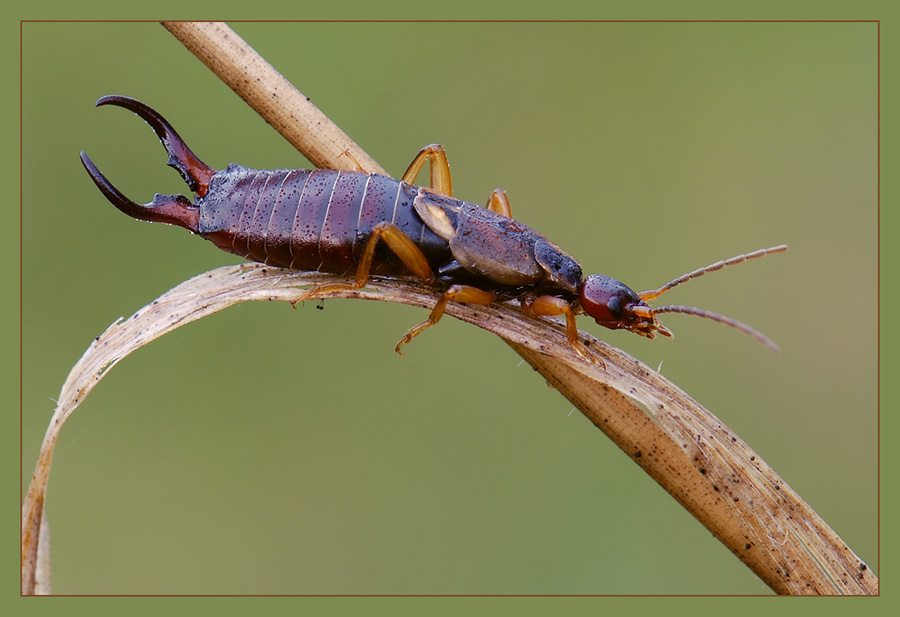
(691, 453)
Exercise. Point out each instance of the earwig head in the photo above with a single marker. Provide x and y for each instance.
(614, 305)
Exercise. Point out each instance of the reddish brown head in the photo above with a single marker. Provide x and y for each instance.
(616, 306)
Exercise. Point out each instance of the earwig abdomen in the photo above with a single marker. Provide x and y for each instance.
(311, 219)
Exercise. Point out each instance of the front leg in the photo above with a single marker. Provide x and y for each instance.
(551, 306)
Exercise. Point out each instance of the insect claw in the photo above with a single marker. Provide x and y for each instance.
(195, 172)
(171, 209)
(412, 332)
(400, 344)
(584, 351)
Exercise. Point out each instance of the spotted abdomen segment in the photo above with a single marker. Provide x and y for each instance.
(310, 219)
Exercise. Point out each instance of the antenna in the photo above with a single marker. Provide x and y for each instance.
(689, 310)
(728, 321)
(650, 295)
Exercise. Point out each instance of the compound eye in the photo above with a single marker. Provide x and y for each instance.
(614, 306)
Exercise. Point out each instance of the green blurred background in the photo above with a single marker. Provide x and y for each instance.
(266, 450)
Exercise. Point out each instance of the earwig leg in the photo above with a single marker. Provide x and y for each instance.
(439, 166)
(457, 293)
(350, 156)
(551, 306)
(413, 258)
(402, 246)
(499, 203)
(440, 177)
(410, 254)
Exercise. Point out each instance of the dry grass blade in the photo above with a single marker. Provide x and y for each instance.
(692, 454)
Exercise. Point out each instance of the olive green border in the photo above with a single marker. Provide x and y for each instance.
(356, 9)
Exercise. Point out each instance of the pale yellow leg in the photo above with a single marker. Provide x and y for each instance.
(552, 306)
(458, 293)
(439, 167)
(499, 203)
(410, 254)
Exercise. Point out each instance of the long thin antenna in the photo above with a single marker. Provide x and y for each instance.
(650, 295)
(728, 321)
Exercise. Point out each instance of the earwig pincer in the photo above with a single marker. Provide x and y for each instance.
(346, 222)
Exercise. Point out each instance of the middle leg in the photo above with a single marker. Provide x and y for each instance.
(458, 293)
(402, 246)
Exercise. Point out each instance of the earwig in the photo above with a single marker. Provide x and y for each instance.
(346, 222)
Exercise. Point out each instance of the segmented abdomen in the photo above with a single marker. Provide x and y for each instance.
(311, 219)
